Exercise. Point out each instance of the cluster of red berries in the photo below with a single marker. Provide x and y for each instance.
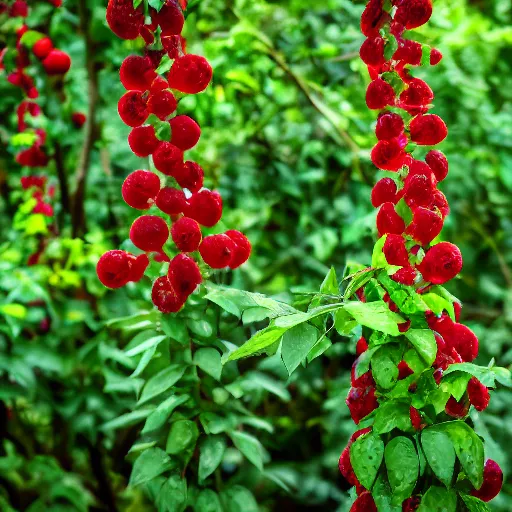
(40, 192)
(403, 124)
(179, 193)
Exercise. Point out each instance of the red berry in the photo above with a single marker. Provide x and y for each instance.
(409, 52)
(173, 45)
(142, 141)
(158, 84)
(125, 21)
(132, 108)
(388, 221)
(379, 94)
(416, 97)
(162, 104)
(372, 52)
(149, 233)
(364, 503)
(373, 18)
(42, 48)
(32, 157)
(478, 394)
(362, 346)
(463, 340)
(139, 266)
(388, 155)
(418, 190)
(170, 18)
(493, 481)
(361, 402)
(140, 189)
(78, 119)
(168, 158)
(57, 63)
(428, 130)
(456, 409)
(384, 191)
(425, 226)
(441, 263)
(137, 73)
(414, 13)
(190, 176)
(415, 418)
(411, 504)
(184, 275)
(389, 126)
(438, 163)
(243, 248)
(217, 251)
(186, 234)
(114, 269)
(435, 57)
(440, 203)
(190, 74)
(171, 201)
(457, 307)
(165, 297)
(185, 132)
(395, 251)
(205, 207)
(33, 181)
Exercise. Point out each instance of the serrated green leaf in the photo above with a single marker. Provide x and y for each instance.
(296, 345)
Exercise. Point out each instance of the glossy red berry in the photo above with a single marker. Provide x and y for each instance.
(137, 73)
(142, 141)
(78, 119)
(409, 52)
(32, 157)
(458, 409)
(414, 13)
(132, 108)
(361, 402)
(168, 158)
(125, 21)
(435, 57)
(190, 74)
(140, 189)
(149, 233)
(186, 234)
(440, 204)
(170, 18)
(185, 132)
(425, 226)
(171, 201)
(114, 269)
(441, 263)
(415, 418)
(428, 130)
(388, 221)
(165, 297)
(388, 155)
(361, 346)
(243, 248)
(205, 207)
(463, 340)
(162, 104)
(373, 18)
(389, 126)
(416, 98)
(217, 251)
(42, 48)
(395, 251)
(184, 275)
(379, 94)
(57, 63)
(438, 162)
(478, 394)
(384, 191)
(493, 481)
(190, 176)
(364, 503)
(411, 504)
(418, 190)
(174, 45)
(139, 266)
(372, 52)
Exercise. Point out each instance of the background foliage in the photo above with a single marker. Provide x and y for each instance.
(286, 138)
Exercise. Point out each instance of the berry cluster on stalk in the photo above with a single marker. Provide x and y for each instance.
(150, 107)
(411, 213)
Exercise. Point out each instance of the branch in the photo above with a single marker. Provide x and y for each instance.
(61, 175)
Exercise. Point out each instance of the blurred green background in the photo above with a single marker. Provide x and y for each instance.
(286, 137)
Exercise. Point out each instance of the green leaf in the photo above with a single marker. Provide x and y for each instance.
(211, 453)
(378, 258)
(484, 374)
(424, 342)
(474, 504)
(209, 360)
(183, 435)
(391, 47)
(156, 4)
(468, 447)
(160, 415)
(161, 382)
(330, 283)
(149, 465)
(320, 348)
(164, 66)
(436, 303)
(259, 342)
(382, 495)
(402, 208)
(358, 280)
(385, 365)
(344, 323)
(126, 420)
(366, 455)
(250, 447)
(173, 495)
(375, 315)
(440, 454)
(402, 466)
(163, 131)
(297, 342)
(30, 38)
(392, 415)
(147, 344)
(238, 499)
(208, 501)
(14, 310)
(438, 499)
